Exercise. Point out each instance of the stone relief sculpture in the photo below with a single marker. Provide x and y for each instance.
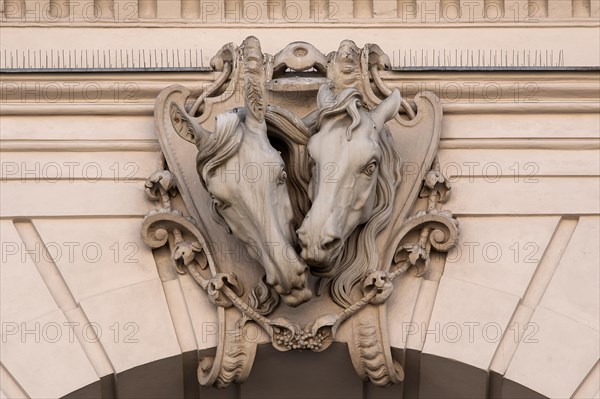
(312, 188)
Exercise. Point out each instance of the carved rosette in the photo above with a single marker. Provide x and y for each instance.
(244, 293)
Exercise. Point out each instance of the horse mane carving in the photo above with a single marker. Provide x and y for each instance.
(348, 101)
(360, 252)
(289, 135)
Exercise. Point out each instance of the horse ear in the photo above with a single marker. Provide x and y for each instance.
(324, 96)
(387, 109)
(186, 126)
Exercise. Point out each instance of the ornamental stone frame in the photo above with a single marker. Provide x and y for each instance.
(324, 178)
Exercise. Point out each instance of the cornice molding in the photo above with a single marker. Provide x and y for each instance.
(67, 108)
(460, 92)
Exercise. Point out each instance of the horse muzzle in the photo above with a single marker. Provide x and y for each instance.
(322, 254)
(294, 290)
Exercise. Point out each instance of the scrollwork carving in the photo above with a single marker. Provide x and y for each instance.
(164, 226)
(438, 228)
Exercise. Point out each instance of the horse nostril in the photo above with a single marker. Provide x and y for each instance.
(331, 243)
(301, 234)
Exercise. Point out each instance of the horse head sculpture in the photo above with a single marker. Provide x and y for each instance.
(355, 172)
(246, 179)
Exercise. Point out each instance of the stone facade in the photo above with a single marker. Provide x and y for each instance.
(89, 310)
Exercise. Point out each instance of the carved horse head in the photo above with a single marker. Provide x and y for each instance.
(246, 178)
(355, 169)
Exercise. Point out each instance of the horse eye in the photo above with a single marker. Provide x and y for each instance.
(282, 177)
(219, 204)
(370, 169)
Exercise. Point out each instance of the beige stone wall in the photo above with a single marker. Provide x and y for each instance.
(291, 11)
(539, 43)
(512, 312)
